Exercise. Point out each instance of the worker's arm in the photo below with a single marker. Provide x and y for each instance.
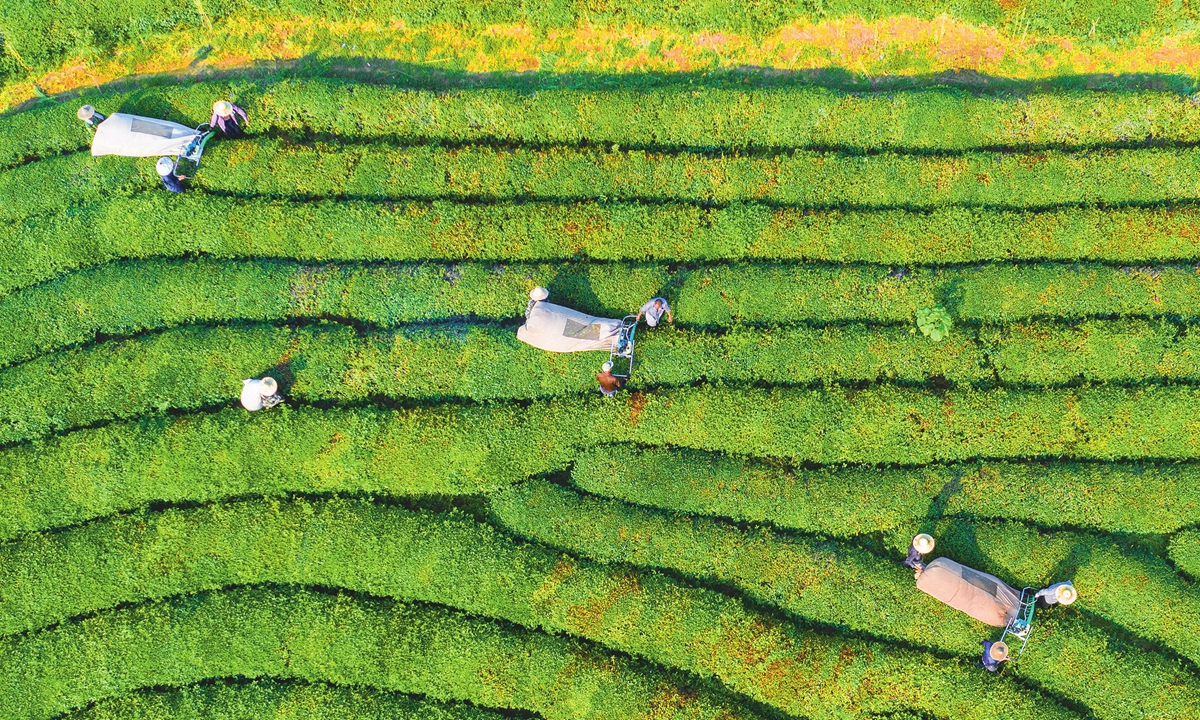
(670, 317)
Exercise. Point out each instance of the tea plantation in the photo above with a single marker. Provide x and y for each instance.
(912, 303)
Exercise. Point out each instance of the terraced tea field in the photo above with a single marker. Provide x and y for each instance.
(440, 521)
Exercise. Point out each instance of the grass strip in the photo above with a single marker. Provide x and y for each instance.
(43, 35)
(315, 171)
(327, 364)
(311, 636)
(675, 115)
(1141, 498)
(126, 298)
(267, 699)
(40, 248)
(1120, 581)
(810, 577)
(457, 561)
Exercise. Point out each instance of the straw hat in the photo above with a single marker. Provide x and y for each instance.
(224, 108)
(539, 293)
(1065, 594)
(85, 113)
(923, 543)
(998, 652)
(606, 366)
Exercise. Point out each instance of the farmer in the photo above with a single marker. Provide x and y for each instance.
(224, 117)
(609, 383)
(654, 309)
(922, 544)
(994, 653)
(166, 172)
(89, 116)
(1063, 592)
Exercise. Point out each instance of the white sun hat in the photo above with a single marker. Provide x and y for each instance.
(923, 543)
(165, 166)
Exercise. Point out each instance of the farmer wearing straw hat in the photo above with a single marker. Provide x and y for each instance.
(89, 116)
(609, 383)
(225, 117)
(1062, 593)
(994, 653)
(166, 172)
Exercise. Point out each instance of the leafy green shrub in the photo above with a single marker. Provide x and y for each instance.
(126, 298)
(670, 114)
(1185, 552)
(1143, 498)
(40, 248)
(448, 450)
(272, 168)
(468, 565)
(338, 639)
(934, 322)
(266, 699)
(821, 581)
(195, 367)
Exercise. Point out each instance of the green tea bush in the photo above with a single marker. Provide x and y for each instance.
(1185, 552)
(876, 426)
(126, 298)
(264, 698)
(802, 178)
(670, 114)
(448, 450)
(40, 248)
(1142, 498)
(195, 367)
(468, 565)
(281, 169)
(311, 636)
(820, 581)
(1121, 351)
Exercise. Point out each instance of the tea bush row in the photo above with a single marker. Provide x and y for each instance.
(1140, 498)
(195, 367)
(1185, 552)
(273, 168)
(318, 637)
(467, 565)
(890, 425)
(231, 700)
(126, 298)
(437, 451)
(668, 115)
(486, 447)
(38, 249)
(832, 584)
